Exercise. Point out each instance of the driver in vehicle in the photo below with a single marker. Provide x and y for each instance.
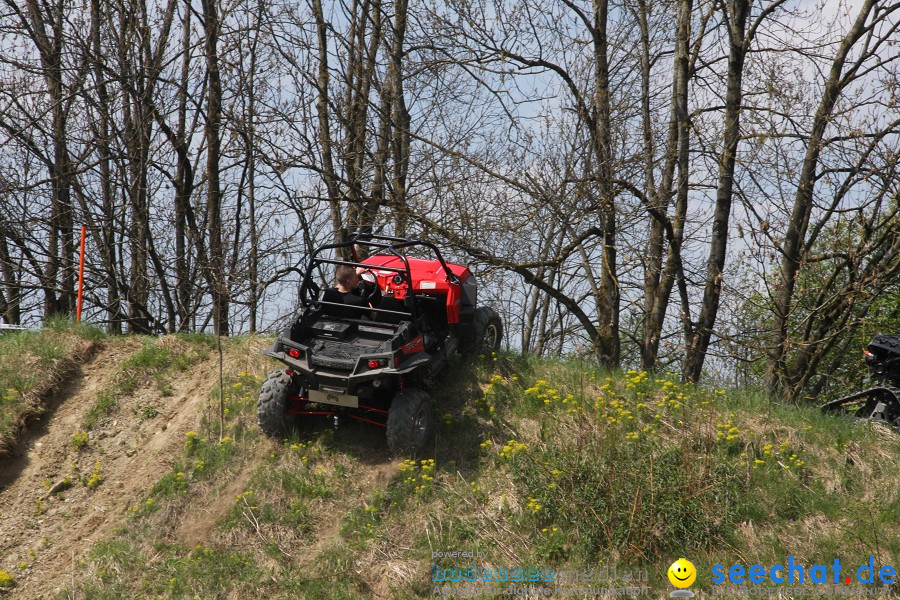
(357, 287)
(348, 284)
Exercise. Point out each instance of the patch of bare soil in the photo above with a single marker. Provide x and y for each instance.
(139, 443)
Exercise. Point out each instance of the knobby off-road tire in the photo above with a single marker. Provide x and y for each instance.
(410, 421)
(487, 332)
(272, 403)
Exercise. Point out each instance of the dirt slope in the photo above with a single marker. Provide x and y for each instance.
(45, 538)
(50, 533)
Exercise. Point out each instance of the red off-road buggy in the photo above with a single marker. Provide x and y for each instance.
(375, 364)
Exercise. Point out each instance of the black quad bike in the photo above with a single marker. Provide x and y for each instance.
(375, 362)
(878, 403)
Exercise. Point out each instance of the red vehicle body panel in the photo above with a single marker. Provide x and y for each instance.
(428, 277)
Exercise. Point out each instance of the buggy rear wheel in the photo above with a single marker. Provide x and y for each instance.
(410, 421)
(271, 406)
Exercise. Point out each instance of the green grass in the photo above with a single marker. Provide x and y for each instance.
(160, 356)
(32, 363)
(153, 364)
(536, 464)
(103, 406)
(181, 572)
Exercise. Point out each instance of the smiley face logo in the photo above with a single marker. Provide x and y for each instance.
(682, 573)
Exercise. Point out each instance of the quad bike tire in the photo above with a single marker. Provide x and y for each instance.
(487, 332)
(272, 403)
(881, 404)
(410, 421)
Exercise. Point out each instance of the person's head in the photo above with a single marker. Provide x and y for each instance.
(347, 278)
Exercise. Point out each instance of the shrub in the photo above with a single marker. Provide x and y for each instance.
(80, 440)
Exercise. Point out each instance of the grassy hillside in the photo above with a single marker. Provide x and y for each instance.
(33, 364)
(536, 464)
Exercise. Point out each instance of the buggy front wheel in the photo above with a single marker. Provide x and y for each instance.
(487, 332)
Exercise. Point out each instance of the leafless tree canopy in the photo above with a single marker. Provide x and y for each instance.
(709, 186)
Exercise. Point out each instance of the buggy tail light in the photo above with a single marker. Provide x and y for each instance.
(377, 363)
(294, 353)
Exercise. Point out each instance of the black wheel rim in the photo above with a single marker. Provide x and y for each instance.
(489, 341)
(420, 425)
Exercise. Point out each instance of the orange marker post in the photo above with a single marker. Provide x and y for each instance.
(80, 275)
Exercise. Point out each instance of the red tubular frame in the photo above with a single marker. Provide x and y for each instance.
(295, 410)
(358, 418)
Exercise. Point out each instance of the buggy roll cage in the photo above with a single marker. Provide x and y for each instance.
(309, 289)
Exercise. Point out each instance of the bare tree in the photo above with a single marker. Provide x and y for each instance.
(216, 267)
(871, 31)
(43, 24)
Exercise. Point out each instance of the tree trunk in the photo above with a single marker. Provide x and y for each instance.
(253, 267)
(607, 347)
(652, 329)
(658, 285)
(329, 175)
(58, 295)
(219, 290)
(10, 299)
(698, 344)
(183, 186)
(107, 237)
(400, 115)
